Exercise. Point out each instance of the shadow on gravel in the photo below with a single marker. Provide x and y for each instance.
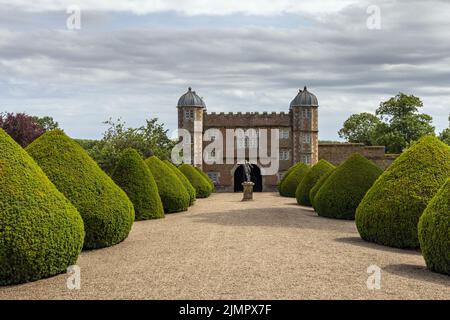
(295, 204)
(357, 241)
(292, 204)
(414, 272)
(293, 217)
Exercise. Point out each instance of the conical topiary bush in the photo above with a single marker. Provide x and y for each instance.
(434, 231)
(190, 189)
(318, 185)
(207, 178)
(390, 211)
(290, 184)
(106, 210)
(134, 177)
(174, 195)
(201, 185)
(287, 173)
(320, 169)
(41, 232)
(344, 189)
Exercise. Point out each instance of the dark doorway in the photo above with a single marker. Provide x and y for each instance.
(255, 176)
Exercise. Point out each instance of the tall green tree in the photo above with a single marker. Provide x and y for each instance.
(399, 123)
(360, 128)
(47, 123)
(405, 123)
(149, 139)
(399, 106)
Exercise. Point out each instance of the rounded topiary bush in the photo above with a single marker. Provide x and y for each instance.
(134, 177)
(207, 178)
(190, 189)
(318, 185)
(106, 210)
(201, 185)
(287, 173)
(344, 189)
(390, 211)
(174, 195)
(320, 169)
(290, 183)
(41, 232)
(434, 231)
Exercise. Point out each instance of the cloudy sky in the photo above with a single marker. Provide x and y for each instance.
(133, 59)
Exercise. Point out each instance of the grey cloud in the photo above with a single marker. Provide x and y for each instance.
(138, 73)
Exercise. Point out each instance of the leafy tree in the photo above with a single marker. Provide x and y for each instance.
(393, 140)
(47, 123)
(360, 128)
(21, 127)
(405, 124)
(399, 123)
(399, 106)
(149, 139)
(24, 128)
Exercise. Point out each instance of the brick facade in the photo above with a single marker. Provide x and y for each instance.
(298, 139)
(245, 121)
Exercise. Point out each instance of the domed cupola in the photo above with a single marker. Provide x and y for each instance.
(191, 99)
(305, 99)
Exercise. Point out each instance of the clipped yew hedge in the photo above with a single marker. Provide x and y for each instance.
(174, 196)
(41, 232)
(135, 178)
(434, 231)
(344, 189)
(107, 212)
(390, 211)
(318, 185)
(287, 173)
(190, 189)
(320, 169)
(290, 183)
(202, 186)
(207, 178)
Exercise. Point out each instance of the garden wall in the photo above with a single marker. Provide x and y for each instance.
(337, 153)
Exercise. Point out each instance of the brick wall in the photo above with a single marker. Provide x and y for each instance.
(336, 153)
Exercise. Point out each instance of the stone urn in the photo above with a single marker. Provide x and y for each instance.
(248, 190)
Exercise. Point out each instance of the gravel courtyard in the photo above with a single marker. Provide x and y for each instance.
(223, 248)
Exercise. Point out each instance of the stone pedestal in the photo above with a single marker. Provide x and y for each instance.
(248, 190)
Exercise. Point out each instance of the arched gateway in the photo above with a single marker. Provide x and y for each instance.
(255, 177)
(297, 139)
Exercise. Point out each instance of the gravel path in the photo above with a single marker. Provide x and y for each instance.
(223, 248)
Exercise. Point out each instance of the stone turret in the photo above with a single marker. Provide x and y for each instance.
(304, 117)
(190, 117)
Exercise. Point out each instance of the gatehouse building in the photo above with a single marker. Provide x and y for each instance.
(298, 138)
